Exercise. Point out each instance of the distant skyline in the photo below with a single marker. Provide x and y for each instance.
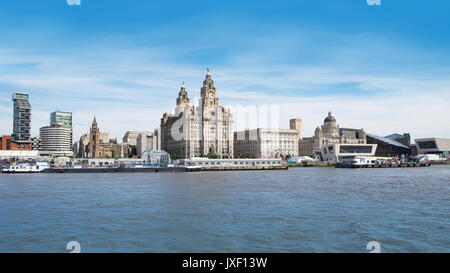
(382, 68)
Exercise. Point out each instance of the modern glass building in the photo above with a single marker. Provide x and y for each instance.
(22, 117)
(156, 157)
(434, 146)
(64, 119)
(388, 147)
(337, 151)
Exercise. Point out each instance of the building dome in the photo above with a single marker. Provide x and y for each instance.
(330, 118)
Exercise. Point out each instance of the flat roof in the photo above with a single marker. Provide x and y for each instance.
(431, 138)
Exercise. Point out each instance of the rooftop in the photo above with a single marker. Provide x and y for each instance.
(388, 141)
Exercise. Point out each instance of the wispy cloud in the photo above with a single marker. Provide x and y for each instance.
(129, 85)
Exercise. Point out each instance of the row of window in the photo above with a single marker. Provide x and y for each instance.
(252, 163)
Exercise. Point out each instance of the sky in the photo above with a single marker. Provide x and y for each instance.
(382, 68)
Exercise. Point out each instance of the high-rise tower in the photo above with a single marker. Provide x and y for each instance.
(22, 117)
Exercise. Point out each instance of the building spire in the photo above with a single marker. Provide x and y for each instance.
(94, 123)
(208, 72)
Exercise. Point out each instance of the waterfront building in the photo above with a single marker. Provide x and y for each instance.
(440, 146)
(353, 135)
(332, 142)
(8, 144)
(157, 139)
(329, 133)
(266, 143)
(97, 144)
(94, 140)
(306, 146)
(111, 150)
(156, 157)
(236, 163)
(64, 119)
(130, 138)
(144, 142)
(18, 155)
(198, 131)
(413, 149)
(404, 138)
(20, 139)
(147, 141)
(127, 151)
(334, 152)
(107, 162)
(98, 162)
(80, 147)
(135, 142)
(55, 141)
(22, 117)
(296, 124)
(388, 147)
(75, 148)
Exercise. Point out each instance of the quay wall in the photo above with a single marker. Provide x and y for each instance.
(244, 168)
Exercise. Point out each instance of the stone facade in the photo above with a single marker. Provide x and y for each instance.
(198, 131)
(306, 147)
(266, 143)
(97, 145)
(296, 124)
(94, 141)
(329, 133)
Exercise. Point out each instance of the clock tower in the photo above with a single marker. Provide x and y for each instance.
(205, 130)
(208, 92)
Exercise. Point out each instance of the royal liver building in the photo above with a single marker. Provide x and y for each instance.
(205, 130)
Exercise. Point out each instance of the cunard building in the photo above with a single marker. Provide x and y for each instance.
(205, 130)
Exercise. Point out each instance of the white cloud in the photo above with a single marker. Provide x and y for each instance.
(130, 87)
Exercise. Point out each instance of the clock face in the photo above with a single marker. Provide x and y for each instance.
(211, 95)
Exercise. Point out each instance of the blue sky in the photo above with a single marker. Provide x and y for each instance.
(382, 68)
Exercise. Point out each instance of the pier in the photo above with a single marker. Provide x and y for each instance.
(119, 170)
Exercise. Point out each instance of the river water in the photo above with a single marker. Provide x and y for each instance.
(299, 210)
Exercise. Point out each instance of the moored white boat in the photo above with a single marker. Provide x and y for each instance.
(26, 168)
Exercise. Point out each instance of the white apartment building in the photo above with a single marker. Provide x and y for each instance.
(55, 141)
(266, 143)
(148, 141)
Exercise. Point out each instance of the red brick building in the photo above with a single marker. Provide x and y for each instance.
(7, 144)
